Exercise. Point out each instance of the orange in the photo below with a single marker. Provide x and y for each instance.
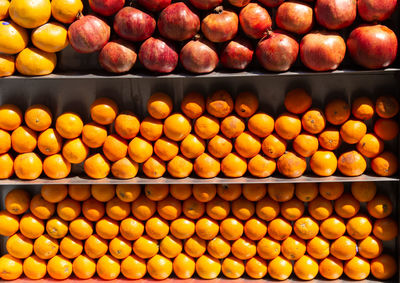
(344, 248)
(192, 146)
(386, 129)
(261, 166)
(233, 165)
(180, 191)
(108, 267)
(94, 135)
(133, 267)
(5, 142)
(34, 268)
(288, 126)
(57, 228)
(157, 228)
(38, 117)
(124, 168)
(337, 111)
(207, 127)
(219, 247)
(331, 191)
(154, 167)
(313, 121)
(68, 209)
(30, 226)
(97, 166)
(232, 229)
(10, 117)
(246, 104)
(207, 166)
(28, 166)
(320, 208)
(357, 268)
(305, 144)
(128, 193)
(169, 208)
(291, 165)
(242, 208)
(387, 106)
(159, 267)
(261, 124)
(254, 192)
(279, 229)
(180, 167)
(143, 208)
(306, 191)
(56, 166)
(131, 229)
(220, 104)
(115, 148)
(49, 142)
(385, 229)
(59, 267)
(71, 247)
(140, 150)
(151, 129)
(370, 247)
(229, 192)
(267, 209)
(19, 246)
(280, 268)
(145, 247)
(45, 247)
(41, 208)
(208, 267)
(384, 267)
(281, 192)
(103, 111)
(107, 228)
(177, 127)
(363, 108)
(9, 223)
(385, 164)
(353, 131)
(297, 101)
(117, 209)
(306, 228)
(219, 146)
(232, 267)
(182, 228)
(331, 268)
(120, 248)
(255, 229)
(218, 208)
(195, 246)
(268, 248)
(127, 125)
(292, 209)
(231, 126)
(359, 227)
(23, 140)
(184, 266)
(103, 193)
(192, 208)
(247, 145)
(165, 148)
(306, 268)
(193, 105)
(96, 246)
(84, 267)
(159, 105)
(7, 165)
(17, 201)
(170, 246)
(363, 191)
(79, 192)
(256, 267)
(347, 206)
(204, 192)
(329, 138)
(380, 206)
(333, 227)
(352, 164)
(318, 247)
(293, 247)
(323, 163)
(93, 209)
(81, 228)
(69, 125)
(207, 228)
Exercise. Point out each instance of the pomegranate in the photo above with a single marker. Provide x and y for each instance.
(220, 26)
(271, 3)
(158, 55)
(178, 22)
(255, 20)
(237, 54)
(239, 3)
(106, 7)
(322, 51)
(295, 17)
(133, 24)
(117, 56)
(199, 56)
(154, 5)
(376, 10)
(88, 34)
(206, 4)
(372, 46)
(277, 51)
(335, 14)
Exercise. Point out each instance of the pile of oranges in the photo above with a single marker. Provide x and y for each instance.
(211, 135)
(308, 229)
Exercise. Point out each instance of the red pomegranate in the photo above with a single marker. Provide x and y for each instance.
(295, 17)
(237, 54)
(178, 22)
(133, 24)
(322, 51)
(271, 3)
(373, 46)
(106, 7)
(158, 55)
(206, 4)
(255, 20)
(199, 56)
(376, 10)
(335, 14)
(88, 34)
(277, 51)
(220, 26)
(239, 3)
(117, 56)
(154, 5)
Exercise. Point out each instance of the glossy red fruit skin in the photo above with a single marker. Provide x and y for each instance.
(117, 56)
(106, 7)
(133, 24)
(335, 14)
(322, 51)
(271, 3)
(199, 56)
(239, 3)
(88, 34)
(154, 5)
(376, 10)
(220, 26)
(158, 55)
(373, 46)
(295, 17)
(177, 22)
(255, 20)
(277, 52)
(206, 4)
(237, 54)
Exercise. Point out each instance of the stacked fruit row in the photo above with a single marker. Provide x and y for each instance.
(201, 228)
(216, 141)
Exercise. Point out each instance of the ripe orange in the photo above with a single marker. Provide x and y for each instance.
(219, 146)
(117, 209)
(359, 227)
(103, 193)
(192, 146)
(169, 208)
(261, 166)
(195, 246)
(385, 229)
(281, 192)
(159, 267)
(193, 105)
(30, 226)
(207, 228)
(57, 228)
(208, 267)
(17, 201)
(127, 125)
(79, 192)
(347, 206)
(207, 166)
(38, 117)
(306, 192)
(268, 248)
(107, 228)
(293, 247)
(128, 193)
(120, 248)
(232, 126)
(233, 165)
(313, 121)
(297, 101)
(232, 229)
(218, 208)
(384, 267)
(7, 165)
(94, 135)
(170, 246)
(9, 223)
(45, 247)
(151, 129)
(59, 267)
(157, 228)
(323, 163)
(320, 208)
(344, 248)
(261, 124)
(329, 138)
(337, 111)
(115, 148)
(288, 126)
(68, 209)
(280, 268)
(69, 125)
(84, 267)
(318, 247)
(23, 139)
(305, 144)
(291, 165)
(333, 227)
(180, 191)
(34, 267)
(133, 267)
(143, 208)
(256, 267)
(97, 166)
(49, 142)
(95, 246)
(81, 228)
(385, 164)
(247, 144)
(145, 247)
(131, 229)
(370, 247)
(306, 228)
(41, 208)
(219, 104)
(242, 208)
(246, 104)
(180, 167)
(229, 192)
(279, 229)
(159, 105)
(386, 129)
(254, 192)
(108, 267)
(363, 108)
(204, 193)
(357, 268)
(103, 111)
(331, 268)
(306, 268)
(193, 208)
(219, 247)
(154, 167)
(19, 246)
(363, 191)
(166, 149)
(56, 166)
(207, 127)
(387, 106)
(177, 127)
(124, 168)
(232, 267)
(353, 131)
(93, 209)
(331, 191)
(10, 117)
(292, 209)
(370, 146)
(380, 206)
(71, 247)
(184, 266)
(267, 209)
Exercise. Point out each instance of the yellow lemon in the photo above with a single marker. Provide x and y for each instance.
(13, 38)
(50, 37)
(7, 65)
(35, 62)
(30, 13)
(66, 11)
(4, 4)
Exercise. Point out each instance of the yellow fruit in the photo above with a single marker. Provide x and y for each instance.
(13, 38)
(66, 11)
(4, 4)
(30, 14)
(34, 62)
(7, 64)
(50, 37)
